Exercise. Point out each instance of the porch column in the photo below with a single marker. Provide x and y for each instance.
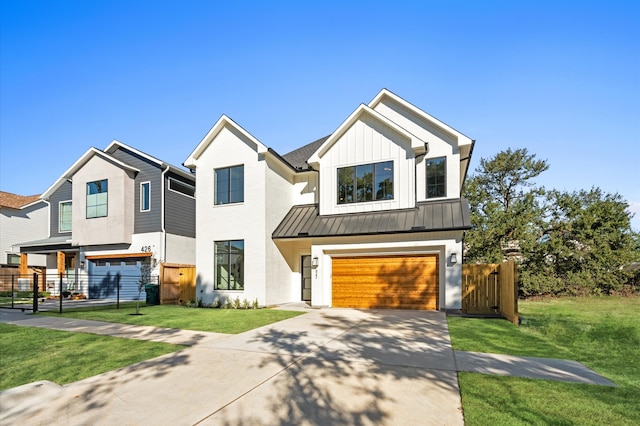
(60, 262)
(24, 264)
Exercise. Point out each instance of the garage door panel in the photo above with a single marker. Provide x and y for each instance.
(399, 282)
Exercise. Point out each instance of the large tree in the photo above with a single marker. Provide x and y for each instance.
(505, 206)
(566, 242)
(586, 245)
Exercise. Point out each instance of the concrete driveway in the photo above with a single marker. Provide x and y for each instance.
(333, 366)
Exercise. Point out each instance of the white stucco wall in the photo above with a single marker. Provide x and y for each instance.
(280, 192)
(117, 226)
(239, 221)
(180, 249)
(305, 188)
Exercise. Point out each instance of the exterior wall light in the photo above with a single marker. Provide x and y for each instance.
(453, 258)
(314, 262)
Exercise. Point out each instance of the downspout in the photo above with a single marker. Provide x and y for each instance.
(163, 258)
(46, 259)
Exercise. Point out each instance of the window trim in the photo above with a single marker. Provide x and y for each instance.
(426, 177)
(354, 194)
(227, 255)
(172, 179)
(228, 189)
(60, 203)
(142, 209)
(106, 214)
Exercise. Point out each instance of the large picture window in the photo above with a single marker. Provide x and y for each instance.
(229, 260)
(229, 185)
(97, 199)
(64, 216)
(436, 177)
(365, 182)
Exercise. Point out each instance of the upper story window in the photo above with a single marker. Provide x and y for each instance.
(436, 177)
(97, 199)
(64, 216)
(229, 185)
(182, 187)
(145, 196)
(366, 182)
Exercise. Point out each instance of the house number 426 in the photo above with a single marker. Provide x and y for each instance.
(146, 249)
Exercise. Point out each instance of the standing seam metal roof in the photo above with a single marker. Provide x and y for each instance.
(430, 216)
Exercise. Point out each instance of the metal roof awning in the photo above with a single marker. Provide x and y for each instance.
(47, 245)
(305, 221)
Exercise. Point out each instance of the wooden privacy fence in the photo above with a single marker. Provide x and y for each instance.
(177, 284)
(490, 289)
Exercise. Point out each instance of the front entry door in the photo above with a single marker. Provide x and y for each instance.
(306, 278)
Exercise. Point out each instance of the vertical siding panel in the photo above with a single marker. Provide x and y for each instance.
(64, 193)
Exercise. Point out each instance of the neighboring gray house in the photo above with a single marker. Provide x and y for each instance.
(22, 218)
(110, 213)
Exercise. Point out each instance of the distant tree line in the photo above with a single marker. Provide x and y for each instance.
(574, 243)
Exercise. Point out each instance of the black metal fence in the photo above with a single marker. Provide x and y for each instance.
(40, 292)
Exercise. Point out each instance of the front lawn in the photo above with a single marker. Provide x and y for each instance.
(602, 333)
(230, 321)
(30, 354)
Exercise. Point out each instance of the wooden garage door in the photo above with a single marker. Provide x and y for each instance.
(397, 282)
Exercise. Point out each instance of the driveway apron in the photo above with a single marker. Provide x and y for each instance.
(331, 366)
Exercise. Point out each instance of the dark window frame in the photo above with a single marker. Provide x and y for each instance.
(180, 187)
(227, 188)
(233, 273)
(362, 183)
(436, 181)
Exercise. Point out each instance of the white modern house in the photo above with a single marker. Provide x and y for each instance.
(369, 216)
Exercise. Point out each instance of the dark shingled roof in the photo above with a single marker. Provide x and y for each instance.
(298, 158)
(305, 221)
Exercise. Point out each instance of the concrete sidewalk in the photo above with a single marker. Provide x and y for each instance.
(325, 367)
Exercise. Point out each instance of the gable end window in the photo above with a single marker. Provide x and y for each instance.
(229, 185)
(229, 264)
(64, 216)
(436, 177)
(97, 199)
(145, 196)
(365, 182)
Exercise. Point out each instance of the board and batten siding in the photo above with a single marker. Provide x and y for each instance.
(64, 193)
(368, 141)
(441, 144)
(180, 209)
(149, 221)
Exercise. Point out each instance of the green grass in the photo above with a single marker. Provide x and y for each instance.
(230, 321)
(602, 333)
(30, 354)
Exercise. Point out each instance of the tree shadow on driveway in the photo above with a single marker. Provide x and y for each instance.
(353, 367)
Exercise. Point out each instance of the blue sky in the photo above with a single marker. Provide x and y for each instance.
(560, 78)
